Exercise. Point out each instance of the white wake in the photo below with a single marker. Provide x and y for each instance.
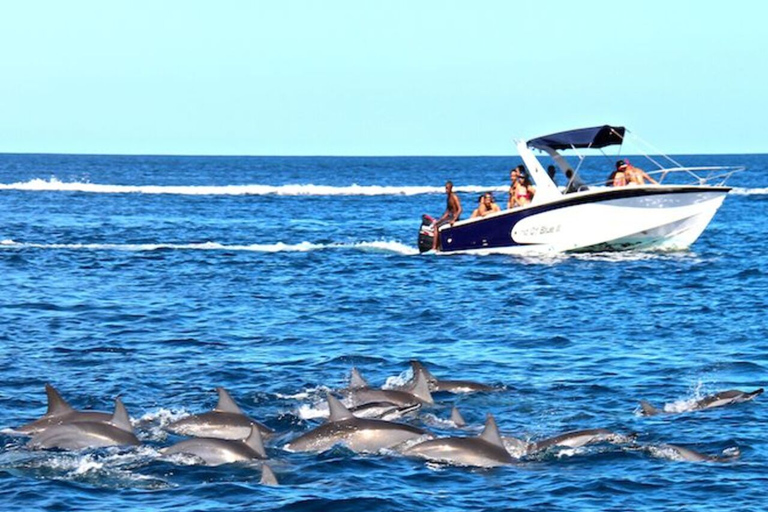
(374, 246)
(53, 184)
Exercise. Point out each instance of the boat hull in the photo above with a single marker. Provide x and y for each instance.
(629, 218)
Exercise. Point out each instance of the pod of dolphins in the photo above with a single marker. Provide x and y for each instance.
(362, 422)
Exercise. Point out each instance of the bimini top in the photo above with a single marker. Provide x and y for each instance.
(597, 137)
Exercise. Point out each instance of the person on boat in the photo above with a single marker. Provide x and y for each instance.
(618, 178)
(524, 191)
(514, 177)
(637, 176)
(489, 205)
(476, 212)
(574, 183)
(551, 170)
(451, 214)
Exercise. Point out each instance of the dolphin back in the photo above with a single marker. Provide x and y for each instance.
(226, 403)
(57, 406)
(420, 388)
(268, 476)
(255, 442)
(356, 380)
(648, 409)
(80, 436)
(457, 418)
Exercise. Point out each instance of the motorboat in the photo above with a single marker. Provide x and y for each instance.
(667, 215)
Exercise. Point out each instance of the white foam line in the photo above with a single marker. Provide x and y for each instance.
(55, 185)
(749, 191)
(385, 246)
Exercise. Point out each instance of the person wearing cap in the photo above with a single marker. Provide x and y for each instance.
(618, 178)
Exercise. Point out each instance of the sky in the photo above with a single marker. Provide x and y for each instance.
(333, 77)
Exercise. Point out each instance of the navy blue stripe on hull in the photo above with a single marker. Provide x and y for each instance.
(496, 232)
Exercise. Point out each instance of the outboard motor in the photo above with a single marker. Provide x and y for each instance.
(426, 233)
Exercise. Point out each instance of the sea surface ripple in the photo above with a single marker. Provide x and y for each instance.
(158, 279)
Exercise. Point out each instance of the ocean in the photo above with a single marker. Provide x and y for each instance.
(159, 278)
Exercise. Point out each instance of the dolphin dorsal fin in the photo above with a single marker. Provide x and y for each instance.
(226, 404)
(56, 405)
(457, 418)
(268, 476)
(420, 388)
(648, 409)
(336, 410)
(356, 381)
(416, 367)
(120, 418)
(491, 432)
(255, 442)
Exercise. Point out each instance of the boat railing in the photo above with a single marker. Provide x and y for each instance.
(709, 175)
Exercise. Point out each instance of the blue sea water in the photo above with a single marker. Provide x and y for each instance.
(158, 279)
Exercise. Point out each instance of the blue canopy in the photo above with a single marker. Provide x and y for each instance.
(597, 137)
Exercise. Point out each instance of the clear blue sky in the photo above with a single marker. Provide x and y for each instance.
(382, 77)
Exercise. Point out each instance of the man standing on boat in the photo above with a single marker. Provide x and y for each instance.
(452, 212)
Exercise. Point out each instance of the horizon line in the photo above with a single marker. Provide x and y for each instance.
(233, 155)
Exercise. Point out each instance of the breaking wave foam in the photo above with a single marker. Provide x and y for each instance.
(55, 185)
(383, 246)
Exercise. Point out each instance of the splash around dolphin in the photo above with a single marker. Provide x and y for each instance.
(82, 435)
(721, 399)
(486, 451)
(215, 452)
(60, 412)
(357, 434)
(225, 421)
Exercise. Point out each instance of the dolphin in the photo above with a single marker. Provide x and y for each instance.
(574, 439)
(676, 452)
(60, 412)
(267, 476)
(225, 421)
(579, 438)
(732, 396)
(214, 452)
(358, 434)
(485, 451)
(418, 393)
(450, 386)
(88, 434)
(377, 410)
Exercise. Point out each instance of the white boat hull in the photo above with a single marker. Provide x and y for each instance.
(635, 218)
(668, 222)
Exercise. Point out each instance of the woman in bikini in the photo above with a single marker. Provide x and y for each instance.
(514, 177)
(524, 191)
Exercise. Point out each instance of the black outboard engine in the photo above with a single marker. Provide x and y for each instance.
(426, 233)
